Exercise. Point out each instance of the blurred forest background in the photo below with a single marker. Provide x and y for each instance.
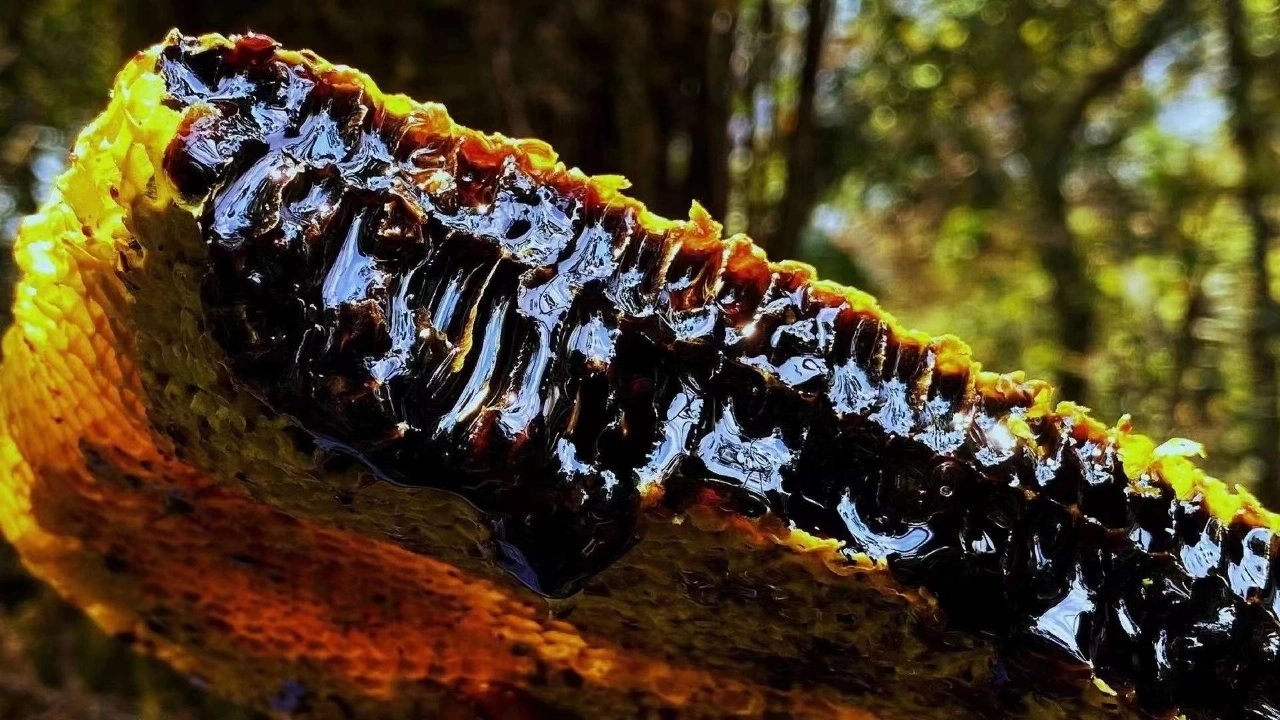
(1085, 189)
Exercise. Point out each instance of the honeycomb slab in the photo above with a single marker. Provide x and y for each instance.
(349, 411)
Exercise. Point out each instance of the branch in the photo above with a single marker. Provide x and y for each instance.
(1102, 83)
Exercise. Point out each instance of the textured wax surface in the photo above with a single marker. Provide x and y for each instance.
(460, 323)
(263, 285)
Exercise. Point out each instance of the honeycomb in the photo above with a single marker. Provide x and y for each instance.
(349, 411)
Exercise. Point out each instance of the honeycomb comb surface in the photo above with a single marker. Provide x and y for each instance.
(288, 284)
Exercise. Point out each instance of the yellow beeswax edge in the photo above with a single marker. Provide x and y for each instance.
(112, 164)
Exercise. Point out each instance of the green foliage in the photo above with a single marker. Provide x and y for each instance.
(972, 122)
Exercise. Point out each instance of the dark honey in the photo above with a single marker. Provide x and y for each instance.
(458, 323)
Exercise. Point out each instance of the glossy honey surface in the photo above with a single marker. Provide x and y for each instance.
(460, 313)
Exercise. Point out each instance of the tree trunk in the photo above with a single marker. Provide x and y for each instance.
(802, 183)
(1185, 343)
(1250, 142)
(1074, 295)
